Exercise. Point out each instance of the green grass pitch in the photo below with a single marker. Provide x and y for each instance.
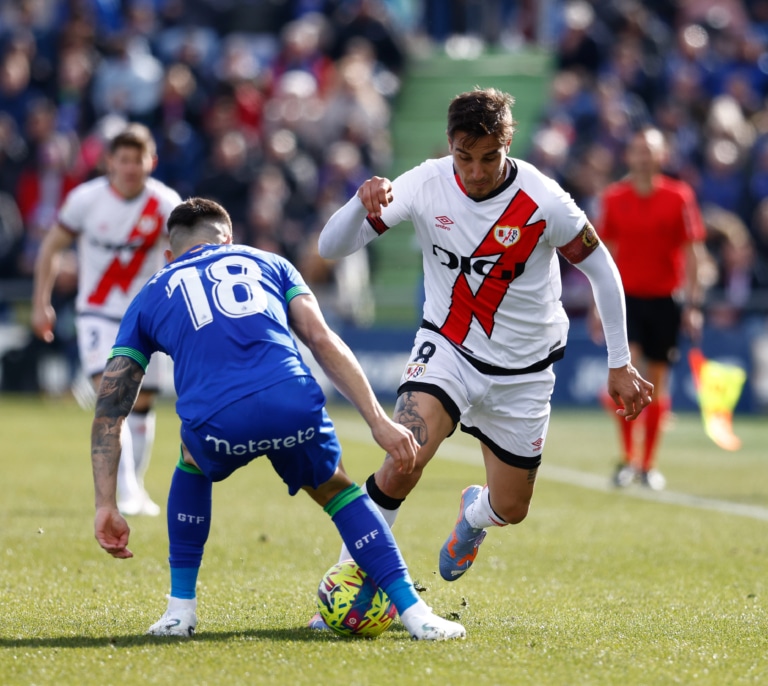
(595, 587)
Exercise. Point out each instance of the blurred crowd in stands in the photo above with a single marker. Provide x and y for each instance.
(278, 109)
(697, 69)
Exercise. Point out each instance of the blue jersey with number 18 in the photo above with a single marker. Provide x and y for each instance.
(221, 313)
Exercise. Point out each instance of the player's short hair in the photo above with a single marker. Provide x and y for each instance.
(135, 136)
(198, 217)
(482, 112)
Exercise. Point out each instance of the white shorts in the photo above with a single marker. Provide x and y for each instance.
(509, 414)
(95, 338)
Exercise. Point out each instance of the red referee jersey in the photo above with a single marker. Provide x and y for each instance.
(648, 234)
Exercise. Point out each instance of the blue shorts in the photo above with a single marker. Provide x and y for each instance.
(286, 422)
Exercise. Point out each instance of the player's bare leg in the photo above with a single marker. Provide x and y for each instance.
(428, 421)
(430, 424)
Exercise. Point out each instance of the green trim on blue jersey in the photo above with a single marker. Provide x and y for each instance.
(184, 467)
(135, 355)
(342, 499)
(297, 290)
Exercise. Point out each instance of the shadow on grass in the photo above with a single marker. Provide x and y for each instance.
(276, 635)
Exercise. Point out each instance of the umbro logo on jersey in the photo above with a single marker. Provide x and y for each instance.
(444, 223)
(538, 443)
(506, 235)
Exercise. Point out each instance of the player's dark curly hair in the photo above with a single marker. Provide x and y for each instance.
(196, 215)
(481, 112)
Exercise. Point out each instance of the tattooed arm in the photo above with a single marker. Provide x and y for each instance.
(117, 394)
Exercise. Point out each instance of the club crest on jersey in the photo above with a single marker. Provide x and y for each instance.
(147, 225)
(506, 235)
(415, 370)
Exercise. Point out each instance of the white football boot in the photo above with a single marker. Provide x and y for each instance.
(180, 619)
(424, 625)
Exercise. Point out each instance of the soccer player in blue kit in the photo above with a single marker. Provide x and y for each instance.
(224, 314)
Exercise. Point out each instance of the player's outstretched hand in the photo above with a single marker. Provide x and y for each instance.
(399, 442)
(375, 193)
(630, 391)
(112, 531)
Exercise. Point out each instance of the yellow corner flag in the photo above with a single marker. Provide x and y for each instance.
(718, 387)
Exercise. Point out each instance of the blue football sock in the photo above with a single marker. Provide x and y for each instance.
(189, 522)
(371, 544)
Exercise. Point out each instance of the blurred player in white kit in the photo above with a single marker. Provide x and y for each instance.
(118, 222)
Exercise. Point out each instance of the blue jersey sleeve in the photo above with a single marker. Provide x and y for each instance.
(292, 281)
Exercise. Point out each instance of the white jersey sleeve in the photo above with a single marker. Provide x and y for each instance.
(75, 206)
(604, 278)
(346, 231)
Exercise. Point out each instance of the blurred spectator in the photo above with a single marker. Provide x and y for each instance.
(299, 173)
(76, 113)
(368, 20)
(734, 279)
(16, 89)
(177, 125)
(11, 238)
(297, 105)
(344, 286)
(759, 232)
(355, 110)
(41, 190)
(128, 80)
(13, 153)
(302, 50)
(241, 77)
(228, 178)
(579, 49)
(722, 179)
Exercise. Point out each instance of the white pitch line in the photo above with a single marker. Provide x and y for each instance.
(455, 452)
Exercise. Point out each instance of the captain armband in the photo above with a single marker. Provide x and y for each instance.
(582, 246)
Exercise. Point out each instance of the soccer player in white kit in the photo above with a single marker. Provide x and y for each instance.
(118, 222)
(489, 227)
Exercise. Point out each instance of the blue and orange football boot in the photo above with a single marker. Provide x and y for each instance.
(460, 548)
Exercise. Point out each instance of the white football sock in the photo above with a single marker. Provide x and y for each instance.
(479, 513)
(175, 604)
(127, 486)
(142, 427)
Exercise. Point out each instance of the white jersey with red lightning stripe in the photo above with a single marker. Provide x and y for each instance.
(492, 277)
(120, 242)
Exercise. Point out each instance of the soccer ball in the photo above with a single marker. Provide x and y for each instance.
(351, 604)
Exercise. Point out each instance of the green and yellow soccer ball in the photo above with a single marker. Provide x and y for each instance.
(352, 604)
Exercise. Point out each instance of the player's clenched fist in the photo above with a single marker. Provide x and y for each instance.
(375, 193)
